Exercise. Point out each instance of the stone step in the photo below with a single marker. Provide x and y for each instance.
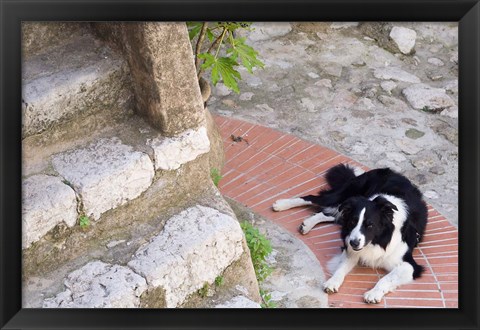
(93, 176)
(128, 180)
(70, 80)
(105, 174)
(38, 37)
(194, 247)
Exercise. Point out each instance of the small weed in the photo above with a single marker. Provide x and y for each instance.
(267, 300)
(219, 280)
(203, 291)
(216, 176)
(427, 109)
(84, 221)
(260, 247)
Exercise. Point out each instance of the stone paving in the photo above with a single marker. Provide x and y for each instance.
(271, 165)
(384, 94)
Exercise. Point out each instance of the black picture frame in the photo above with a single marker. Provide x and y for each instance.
(466, 12)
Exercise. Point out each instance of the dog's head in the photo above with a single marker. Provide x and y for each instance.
(366, 222)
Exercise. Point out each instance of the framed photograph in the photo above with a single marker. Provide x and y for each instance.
(163, 172)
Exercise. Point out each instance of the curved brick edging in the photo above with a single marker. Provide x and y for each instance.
(269, 165)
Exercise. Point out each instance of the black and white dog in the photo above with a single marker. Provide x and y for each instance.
(382, 217)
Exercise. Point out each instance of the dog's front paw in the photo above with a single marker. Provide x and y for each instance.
(281, 205)
(373, 296)
(332, 285)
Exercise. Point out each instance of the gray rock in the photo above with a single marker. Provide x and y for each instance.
(364, 103)
(221, 90)
(337, 136)
(439, 32)
(424, 161)
(359, 63)
(424, 97)
(100, 285)
(410, 121)
(106, 174)
(333, 69)
(264, 31)
(454, 58)
(171, 153)
(437, 169)
(388, 86)
(193, 248)
(324, 83)
(112, 244)
(431, 194)
(414, 134)
(380, 32)
(239, 302)
(435, 61)
(404, 39)
(395, 156)
(394, 73)
(363, 114)
(253, 81)
(46, 202)
(308, 104)
(420, 179)
(343, 100)
(451, 112)
(446, 130)
(451, 86)
(434, 76)
(343, 25)
(246, 96)
(408, 146)
(393, 103)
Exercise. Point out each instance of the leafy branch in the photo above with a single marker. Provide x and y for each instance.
(209, 56)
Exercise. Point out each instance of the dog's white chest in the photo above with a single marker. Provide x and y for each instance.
(376, 257)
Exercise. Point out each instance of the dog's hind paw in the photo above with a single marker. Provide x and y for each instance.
(281, 205)
(303, 229)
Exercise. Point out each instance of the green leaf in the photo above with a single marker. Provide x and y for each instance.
(210, 35)
(246, 54)
(222, 68)
(209, 60)
(194, 29)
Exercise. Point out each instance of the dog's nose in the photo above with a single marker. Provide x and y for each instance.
(355, 243)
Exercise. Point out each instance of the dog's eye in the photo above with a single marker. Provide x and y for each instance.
(369, 225)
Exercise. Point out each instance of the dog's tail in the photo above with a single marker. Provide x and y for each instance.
(340, 174)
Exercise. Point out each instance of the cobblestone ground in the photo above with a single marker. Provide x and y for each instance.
(364, 91)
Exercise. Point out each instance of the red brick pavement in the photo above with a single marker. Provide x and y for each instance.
(269, 165)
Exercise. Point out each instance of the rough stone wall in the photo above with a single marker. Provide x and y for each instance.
(162, 82)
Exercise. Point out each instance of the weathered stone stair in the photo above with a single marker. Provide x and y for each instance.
(155, 227)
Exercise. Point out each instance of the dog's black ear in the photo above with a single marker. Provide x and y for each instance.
(346, 209)
(347, 206)
(384, 204)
